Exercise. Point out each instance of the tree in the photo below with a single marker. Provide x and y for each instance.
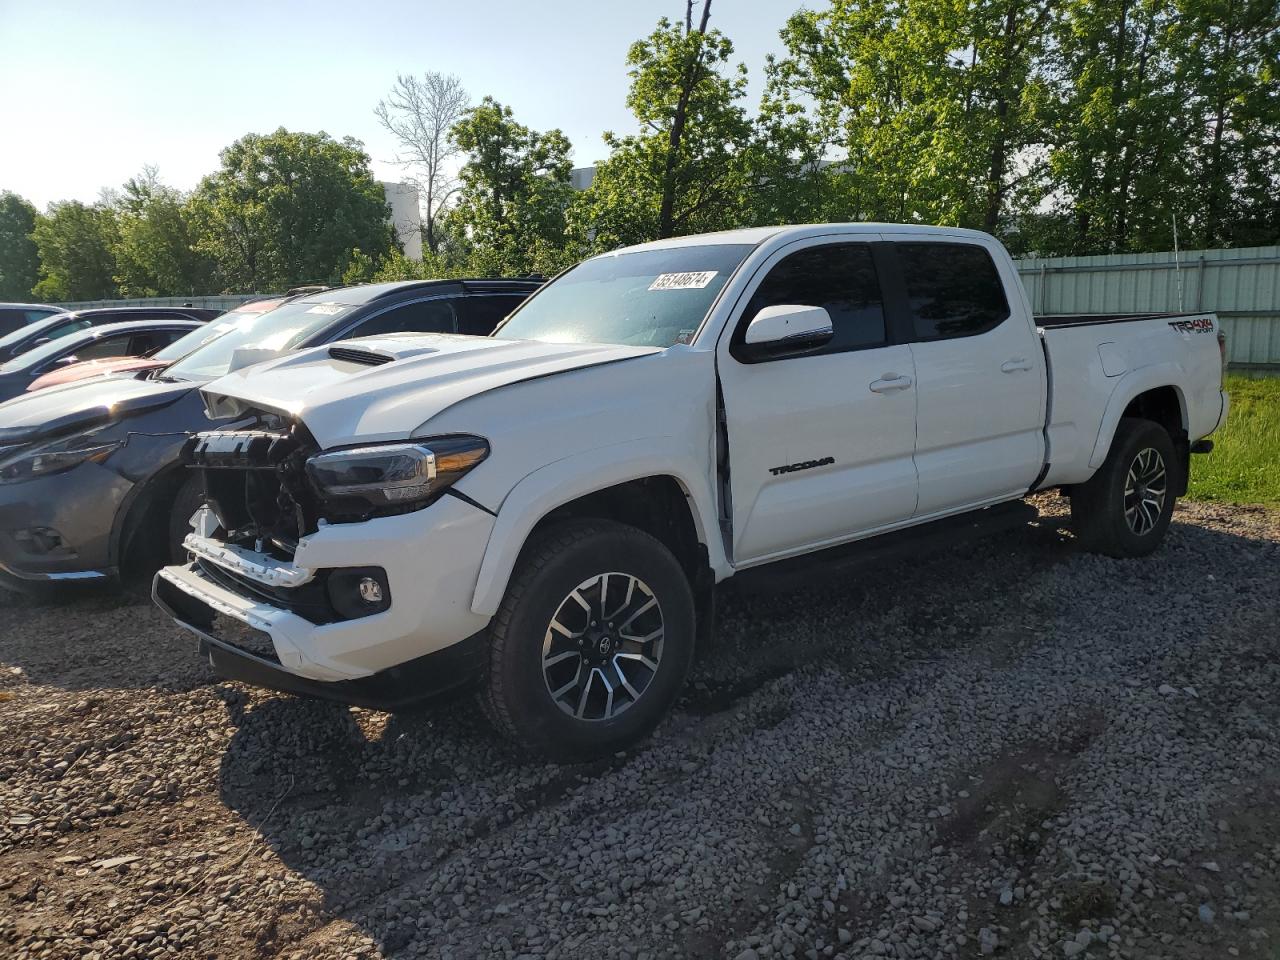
(420, 113)
(934, 111)
(75, 243)
(288, 208)
(1226, 75)
(19, 259)
(1120, 131)
(510, 215)
(686, 171)
(155, 250)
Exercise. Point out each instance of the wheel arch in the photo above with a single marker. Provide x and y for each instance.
(1151, 393)
(660, 495)
(137, 515)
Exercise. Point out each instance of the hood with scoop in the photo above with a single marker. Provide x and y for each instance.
(385, 388)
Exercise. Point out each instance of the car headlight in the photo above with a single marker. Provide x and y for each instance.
(397, 476)
(28, 463)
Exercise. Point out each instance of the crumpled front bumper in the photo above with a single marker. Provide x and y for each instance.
(431, 559)
(391, 689)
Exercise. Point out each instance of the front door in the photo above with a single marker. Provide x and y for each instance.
(820, 445)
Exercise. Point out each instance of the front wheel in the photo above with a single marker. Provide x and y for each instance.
(592, 642)
(186, 501)
(1125, 508)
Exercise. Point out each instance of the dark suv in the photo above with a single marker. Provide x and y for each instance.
(90, 478)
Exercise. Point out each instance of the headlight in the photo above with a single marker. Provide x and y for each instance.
(364, 480)
(29, 463)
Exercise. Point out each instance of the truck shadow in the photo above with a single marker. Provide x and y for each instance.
(370, 808)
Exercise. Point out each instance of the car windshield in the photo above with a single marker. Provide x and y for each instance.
(33, 328)
(202, 335)
(649, 298)
(276, 331)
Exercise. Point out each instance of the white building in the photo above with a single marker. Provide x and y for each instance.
(406, 217)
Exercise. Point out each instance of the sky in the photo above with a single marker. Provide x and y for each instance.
(90, 92)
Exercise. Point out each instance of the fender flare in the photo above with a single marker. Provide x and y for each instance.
(576, 476)
(1136, 382)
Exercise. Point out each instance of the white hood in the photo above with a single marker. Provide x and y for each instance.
(406, 380)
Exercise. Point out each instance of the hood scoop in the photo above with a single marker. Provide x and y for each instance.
(360, 355)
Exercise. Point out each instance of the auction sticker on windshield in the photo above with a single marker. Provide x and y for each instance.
(682, 281)
(327, 308)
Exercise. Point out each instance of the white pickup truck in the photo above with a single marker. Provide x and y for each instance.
(548, 510)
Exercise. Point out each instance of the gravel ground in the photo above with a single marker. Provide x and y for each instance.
(1009, 748)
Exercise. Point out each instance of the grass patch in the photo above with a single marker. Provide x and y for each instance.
(1245, 464)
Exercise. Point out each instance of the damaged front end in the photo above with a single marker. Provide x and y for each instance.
(256, 484)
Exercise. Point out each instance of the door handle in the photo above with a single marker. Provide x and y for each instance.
(1014, 365)
(890, 382)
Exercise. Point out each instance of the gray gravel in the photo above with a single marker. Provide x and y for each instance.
(1008, 749)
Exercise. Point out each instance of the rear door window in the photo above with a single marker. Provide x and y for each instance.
(116, 345)
(953, 289)
(64, 329)
(145, 344)
(427, 316)
(479, 315)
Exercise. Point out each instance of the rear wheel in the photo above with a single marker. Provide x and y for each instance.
(1125, 508)
(592, 642)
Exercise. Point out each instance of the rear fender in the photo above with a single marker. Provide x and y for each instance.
(1131, 385)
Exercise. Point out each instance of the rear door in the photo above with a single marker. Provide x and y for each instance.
(820, 445)
(980, 377)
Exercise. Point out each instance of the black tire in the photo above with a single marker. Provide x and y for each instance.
(573, 558)
(186, 500)
(1113, 517)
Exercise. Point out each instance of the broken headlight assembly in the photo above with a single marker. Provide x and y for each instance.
(390, 478)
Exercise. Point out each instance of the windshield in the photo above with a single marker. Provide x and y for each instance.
(650, 298)
(35, 327)
(202, 335)
(284, 328)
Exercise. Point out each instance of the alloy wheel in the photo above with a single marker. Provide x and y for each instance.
(1145, 488)
(603, 646)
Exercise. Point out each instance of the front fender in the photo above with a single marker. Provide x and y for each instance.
(566, 480)
(1135, 382)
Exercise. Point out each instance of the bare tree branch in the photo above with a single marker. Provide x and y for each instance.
(419, 112)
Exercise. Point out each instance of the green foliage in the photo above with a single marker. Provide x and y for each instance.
(19, 259)
(76, 244)
(287, 208)
(1226, 67)
(687, 170)
(929, 104)
(510, 215)
(1242, 466)
(156, 252)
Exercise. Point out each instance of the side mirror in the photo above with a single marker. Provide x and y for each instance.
(786, 330)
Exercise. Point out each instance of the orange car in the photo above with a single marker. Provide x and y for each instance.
(162, 358)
